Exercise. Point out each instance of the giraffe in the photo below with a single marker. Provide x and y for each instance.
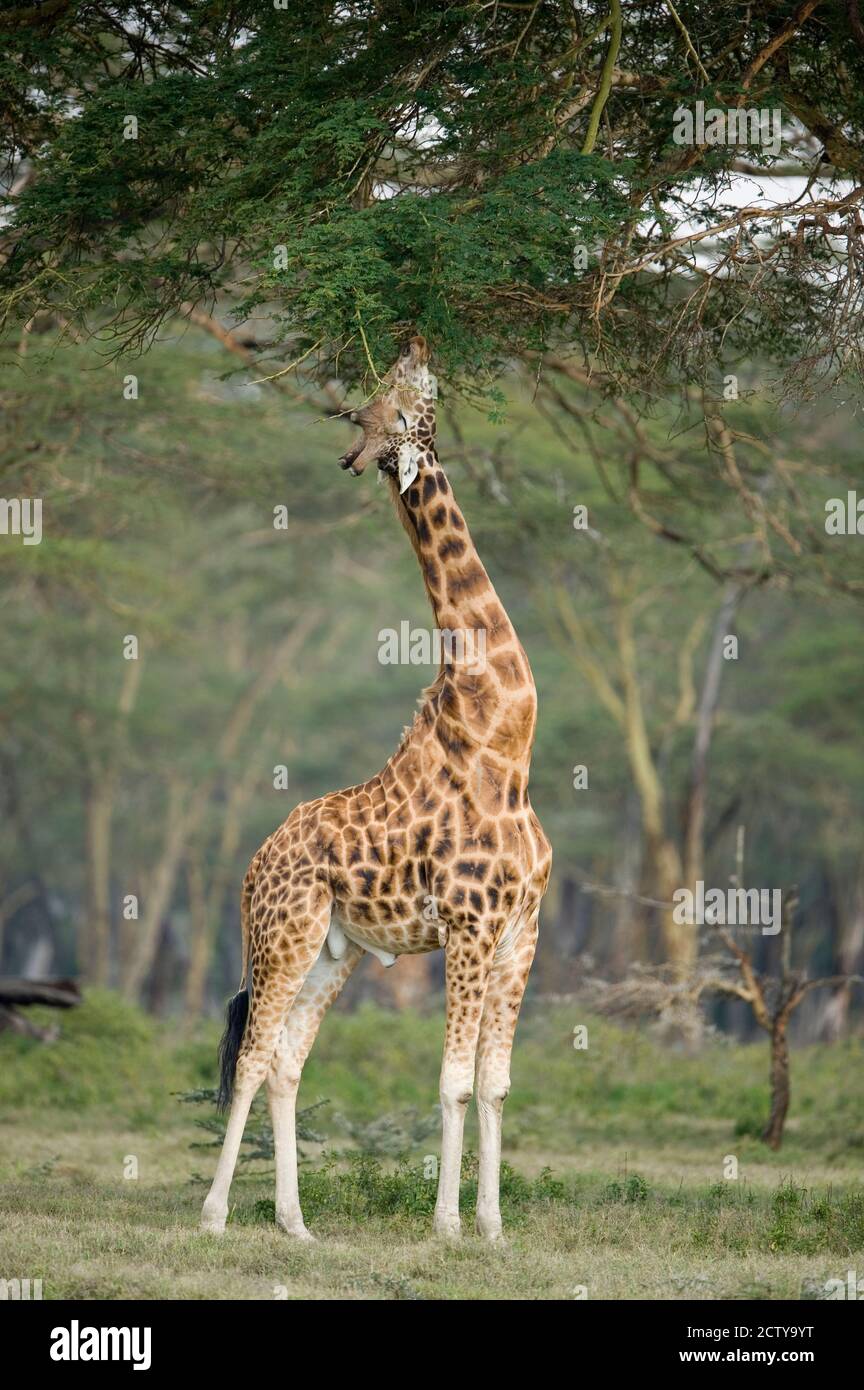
(439, 850)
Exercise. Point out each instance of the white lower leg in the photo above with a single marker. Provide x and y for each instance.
(500, 1012)
(456, 1086)
(283, 1108)
(215, 1212)
(491, 1094)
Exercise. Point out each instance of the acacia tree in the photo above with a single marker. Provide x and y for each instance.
(506, 177)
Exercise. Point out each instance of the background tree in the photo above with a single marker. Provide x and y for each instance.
(159, 520)
(268, 199)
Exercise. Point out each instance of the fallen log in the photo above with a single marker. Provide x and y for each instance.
(16, 994)
(59, 994)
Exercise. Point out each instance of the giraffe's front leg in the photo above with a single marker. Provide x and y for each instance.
(320, 988)
(467, 972)
(500, 1011)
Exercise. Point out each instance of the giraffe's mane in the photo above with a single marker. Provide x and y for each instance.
(425, 698)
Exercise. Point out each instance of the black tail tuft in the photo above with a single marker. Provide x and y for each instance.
(229, 1048)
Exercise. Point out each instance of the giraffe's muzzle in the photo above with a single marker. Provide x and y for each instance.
(383, 419)
(349, 459)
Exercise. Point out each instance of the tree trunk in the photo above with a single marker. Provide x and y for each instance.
(206, 908)
(629, 937)
(58, 994)
(163, 976)
(39, 957)
(42, 949)
(694, 818)
(565, 922)
(98, 926)
(773, 1133)
(679, 939)
(18, 898)
(160, 887)
(848, 950)
(103, 770)
(663, 859)
(200, 940)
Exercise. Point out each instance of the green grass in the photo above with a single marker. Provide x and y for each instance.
(614, 1179)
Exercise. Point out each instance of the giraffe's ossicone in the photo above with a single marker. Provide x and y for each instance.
(439, 850)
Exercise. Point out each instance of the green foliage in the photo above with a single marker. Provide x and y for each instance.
(631, 1189)
(752, 1117)
(258, 1134)
(109, 1054)
(366, 1189)
(381, 267)
(391, 1135)
(726, 1217)
(424, 167)
(379, 1071)
(794, 1219)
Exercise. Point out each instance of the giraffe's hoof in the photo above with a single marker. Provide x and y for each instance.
(488, 1225)
(295, 1229)
(447, 1227)
(493, 1237)
(213, 1218)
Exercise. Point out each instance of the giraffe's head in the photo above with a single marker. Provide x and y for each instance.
(399, 424)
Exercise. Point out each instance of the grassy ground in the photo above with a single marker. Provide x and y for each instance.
(615, 1181)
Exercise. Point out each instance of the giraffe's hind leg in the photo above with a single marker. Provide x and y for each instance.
(282, 961)
(504, 992)
(322, 984)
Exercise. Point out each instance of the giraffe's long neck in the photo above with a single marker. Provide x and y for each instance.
(485, 693)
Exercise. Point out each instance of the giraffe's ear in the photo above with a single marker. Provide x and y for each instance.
(408, 455)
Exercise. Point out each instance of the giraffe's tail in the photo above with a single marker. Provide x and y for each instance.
(229, 1048)
(245, 913)
(238, 1007)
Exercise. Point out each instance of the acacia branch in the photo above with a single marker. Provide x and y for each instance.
(783, 35)
(605, 86)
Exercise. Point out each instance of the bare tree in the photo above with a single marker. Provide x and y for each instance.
(773, 1000)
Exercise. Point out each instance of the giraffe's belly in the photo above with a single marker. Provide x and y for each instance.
(384, 939)
(414, 936)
